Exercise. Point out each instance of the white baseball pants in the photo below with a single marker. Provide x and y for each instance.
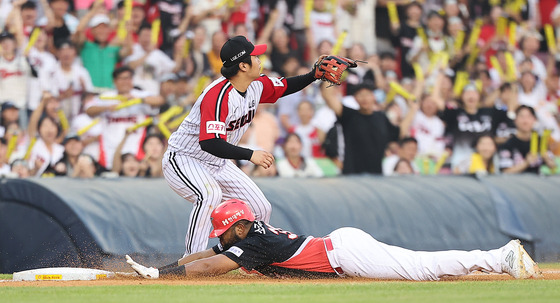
(206, 187)
(358, 254)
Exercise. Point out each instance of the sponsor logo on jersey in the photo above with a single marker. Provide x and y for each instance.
(216, 127)
(236, 251)
(239, 123)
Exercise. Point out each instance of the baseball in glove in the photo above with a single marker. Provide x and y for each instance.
(330, 68)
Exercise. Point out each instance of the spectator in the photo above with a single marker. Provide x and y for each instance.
(48, 107)
(437, 41)
(59, 21)
(100, 55)
(44, 64)
(322, 25)
(310, 136)
(126, 165)
(294, 164)
(74, 163)
(426, 127)
(15, 73)
(528, 47)
(9, 113)
(154, 148)
(466, 123)
(403, 167)
(483, 160)
(20, 168)
(149, 63)
(515, 156)
(70, 80)
(280, 50)
(88, 128)
(196, 64)
(4, 167)
(361, 73)
(366, 131)
(218, 39)
(115, 121)
(45, 152)
(404, 34)
(408, 149)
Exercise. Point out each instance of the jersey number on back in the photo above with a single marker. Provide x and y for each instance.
(278, 231)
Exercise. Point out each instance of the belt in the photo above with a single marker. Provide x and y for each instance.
(329, 247)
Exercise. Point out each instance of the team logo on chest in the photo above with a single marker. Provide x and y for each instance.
(239, 123)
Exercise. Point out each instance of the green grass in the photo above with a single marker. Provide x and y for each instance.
(429, 292)
(5, 277)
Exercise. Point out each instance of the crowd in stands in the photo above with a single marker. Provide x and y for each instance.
(94, 87)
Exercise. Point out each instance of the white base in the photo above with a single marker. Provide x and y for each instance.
(62, 274)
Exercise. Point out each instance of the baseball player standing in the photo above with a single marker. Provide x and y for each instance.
(257, 246)
(196, 164)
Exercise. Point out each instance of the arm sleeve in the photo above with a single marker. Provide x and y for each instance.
(272, 88)
(221, 148)
(298, 83)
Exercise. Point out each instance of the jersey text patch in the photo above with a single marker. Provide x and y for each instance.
(236, 251)
(216, 127)
(276, 82)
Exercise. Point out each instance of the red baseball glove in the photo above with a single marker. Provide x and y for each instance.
(330, 68)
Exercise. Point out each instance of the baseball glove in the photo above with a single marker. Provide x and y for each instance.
(330, 68)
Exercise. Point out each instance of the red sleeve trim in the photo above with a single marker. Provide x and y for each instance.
(214, 111)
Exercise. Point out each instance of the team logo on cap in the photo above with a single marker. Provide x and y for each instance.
(243, 52)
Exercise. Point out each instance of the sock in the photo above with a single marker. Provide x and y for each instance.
(173, 271)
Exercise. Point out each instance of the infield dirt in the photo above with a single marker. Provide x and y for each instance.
(548, 274)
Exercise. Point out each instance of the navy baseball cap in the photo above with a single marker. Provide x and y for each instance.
(7, 35)
(7, 105)
(238, 48)
(69, 138)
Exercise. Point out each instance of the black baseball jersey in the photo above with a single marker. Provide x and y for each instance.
(274, 252)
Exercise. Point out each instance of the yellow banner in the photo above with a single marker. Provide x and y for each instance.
(544, 141)
(307, 12)
(128, 103)
(512, 70)
(534, 143)
(30, 148)
(401, 90)
(550, 39)
(63, 119)
(422, 35)
(393, 13)
(338, 45)
(496, 65)
(32, 39)
(459, 40)
(84, 129)
(11, 146)
(155, 31)
(127, 10)
(136, 126)
(512, 34)
(418, 72)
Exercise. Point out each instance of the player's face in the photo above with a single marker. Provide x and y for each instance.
(229, 238)
(255, 69)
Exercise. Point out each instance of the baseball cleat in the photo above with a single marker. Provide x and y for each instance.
(146, 272)
(517, 262)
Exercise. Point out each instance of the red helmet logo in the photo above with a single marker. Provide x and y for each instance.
(228, 213)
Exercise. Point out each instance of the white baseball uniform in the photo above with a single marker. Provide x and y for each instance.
(204, 179)
(114, 125)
